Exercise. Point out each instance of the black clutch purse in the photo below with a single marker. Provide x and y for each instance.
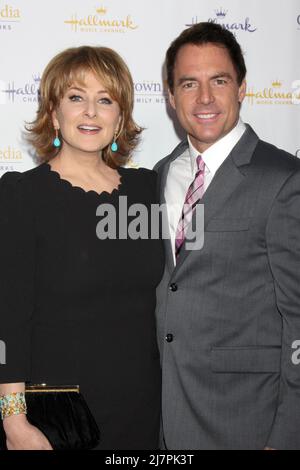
(62, 415)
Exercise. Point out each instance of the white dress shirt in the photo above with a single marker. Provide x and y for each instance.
(183, 169)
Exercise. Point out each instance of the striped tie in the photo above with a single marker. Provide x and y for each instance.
(194, 193)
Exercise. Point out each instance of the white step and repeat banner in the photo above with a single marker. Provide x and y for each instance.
(33, 31)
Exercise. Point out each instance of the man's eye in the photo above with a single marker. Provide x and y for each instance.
(75, 98)
(189, 85)
(221, 81)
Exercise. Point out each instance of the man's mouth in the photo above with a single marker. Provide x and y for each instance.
(206, 116)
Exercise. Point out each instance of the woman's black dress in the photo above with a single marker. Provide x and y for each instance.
(76, 309)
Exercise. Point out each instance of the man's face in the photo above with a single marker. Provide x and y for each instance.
(206, 95)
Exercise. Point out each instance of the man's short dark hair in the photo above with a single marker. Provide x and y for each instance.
(205, 33)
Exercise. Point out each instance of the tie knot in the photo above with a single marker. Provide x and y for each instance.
(200, 163)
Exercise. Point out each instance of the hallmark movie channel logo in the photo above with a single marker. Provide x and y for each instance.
(220, 17)
(10, 158)
(13, 91)
(151, 92)
(274, 94)
(9, 16)
(100, 21)
(10, 154)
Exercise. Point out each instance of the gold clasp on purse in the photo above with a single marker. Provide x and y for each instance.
(40, 388)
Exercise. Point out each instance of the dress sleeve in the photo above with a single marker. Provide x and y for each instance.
(17, 277)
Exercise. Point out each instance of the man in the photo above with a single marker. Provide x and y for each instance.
(228, 314)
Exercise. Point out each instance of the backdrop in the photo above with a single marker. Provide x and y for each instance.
(33, 31)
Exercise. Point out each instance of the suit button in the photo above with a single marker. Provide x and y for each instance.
(169, 338)
(173, 287)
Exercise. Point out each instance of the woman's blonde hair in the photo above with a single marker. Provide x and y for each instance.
(71, 66)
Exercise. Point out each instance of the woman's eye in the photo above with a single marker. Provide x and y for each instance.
(78, 98)
(105, 101)
(75, 98)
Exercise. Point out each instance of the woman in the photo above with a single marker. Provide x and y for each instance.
(75, 308)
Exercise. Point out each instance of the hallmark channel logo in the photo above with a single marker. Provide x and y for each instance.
(275, 94)
(99, 21)
(151, 92)
(220, 17)
(9, 16)
(15, 92)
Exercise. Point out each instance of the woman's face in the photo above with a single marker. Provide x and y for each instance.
(87, 116)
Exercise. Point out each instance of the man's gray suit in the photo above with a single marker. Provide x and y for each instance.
(228, 315)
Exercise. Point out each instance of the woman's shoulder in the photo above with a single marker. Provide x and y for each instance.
(141, 181)
(140, 173)
(22, 184)
(13, 178)
(140, 176)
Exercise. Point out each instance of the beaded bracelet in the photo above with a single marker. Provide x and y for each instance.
(12, 404)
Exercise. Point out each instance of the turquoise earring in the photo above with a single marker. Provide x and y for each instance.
(114, 146)
(56, 141)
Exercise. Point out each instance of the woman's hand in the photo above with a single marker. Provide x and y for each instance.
(21, 435)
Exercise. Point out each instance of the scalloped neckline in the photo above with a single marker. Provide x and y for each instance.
(79, 189)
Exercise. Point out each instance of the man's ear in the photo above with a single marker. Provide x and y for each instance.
(242, 91)
(171, 99)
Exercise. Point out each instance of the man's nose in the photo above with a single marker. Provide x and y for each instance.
(205, 94)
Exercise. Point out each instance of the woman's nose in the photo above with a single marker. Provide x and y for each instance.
(90, 110)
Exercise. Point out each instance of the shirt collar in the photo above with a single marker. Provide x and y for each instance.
(215, 155)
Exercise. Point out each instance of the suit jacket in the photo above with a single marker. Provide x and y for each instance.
(232, 309)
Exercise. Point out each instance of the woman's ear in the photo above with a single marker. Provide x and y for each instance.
(120, 125)
(55, 120)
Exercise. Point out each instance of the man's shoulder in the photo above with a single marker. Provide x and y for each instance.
(178, 150)
(277, 158)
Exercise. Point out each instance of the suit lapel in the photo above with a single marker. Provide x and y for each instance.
(226, 180)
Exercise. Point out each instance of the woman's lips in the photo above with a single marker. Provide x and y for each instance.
(89, 130)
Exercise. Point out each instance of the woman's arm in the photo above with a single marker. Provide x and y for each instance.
(20, 434)
(17, 271)
(6, 389)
